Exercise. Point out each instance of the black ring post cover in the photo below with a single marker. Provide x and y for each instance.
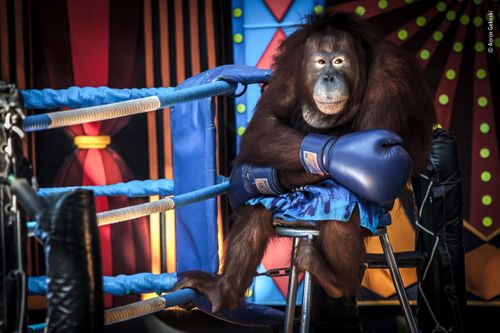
(72, 254)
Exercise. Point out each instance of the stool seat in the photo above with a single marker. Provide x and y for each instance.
(296, 232)
(278, 222)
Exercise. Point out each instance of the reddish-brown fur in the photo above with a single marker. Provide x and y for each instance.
(389, 92)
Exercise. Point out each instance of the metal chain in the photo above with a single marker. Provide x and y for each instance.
(11, 116)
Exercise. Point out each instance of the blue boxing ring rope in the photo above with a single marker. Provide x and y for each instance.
(95, 104)
(138, 309)
(118, 285)
(76, 97)
(131, 189)
(153, 207)
(162, 205)
(50, 120)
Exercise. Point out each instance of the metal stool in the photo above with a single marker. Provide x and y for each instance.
(296, 234)
(301, 232)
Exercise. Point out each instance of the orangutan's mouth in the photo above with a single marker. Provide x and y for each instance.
(330, 107)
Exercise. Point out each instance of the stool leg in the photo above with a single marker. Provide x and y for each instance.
(398, 283)
(305, 316)
(292, 292)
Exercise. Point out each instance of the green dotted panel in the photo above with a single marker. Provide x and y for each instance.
(383, 4)
(487, 221)
(425, 54)
(360, 10)
(238, 38)
(443, 99)
(421, 21)
(402, 34)
(479, 47)
(480, 73)
(458, 47)
(485, 176)
(486, 200)
(451, 74)
(237, 12)
(318, 9)
(482, 101)
(484, 152)
(240, 108)
(484, 128)
(438, 36)
(441, 6)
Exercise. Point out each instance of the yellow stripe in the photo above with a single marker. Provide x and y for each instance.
(383, 302)
(154, 226)
(92, 142)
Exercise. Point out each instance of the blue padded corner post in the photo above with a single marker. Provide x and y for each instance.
(193, 145)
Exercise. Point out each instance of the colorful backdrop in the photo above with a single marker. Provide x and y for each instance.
(145, 43)
(457, 45)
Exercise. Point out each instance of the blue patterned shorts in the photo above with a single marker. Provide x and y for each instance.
(324, 201)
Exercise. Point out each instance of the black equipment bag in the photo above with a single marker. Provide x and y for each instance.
(441, 294)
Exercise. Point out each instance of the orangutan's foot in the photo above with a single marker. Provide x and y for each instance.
(214, 288)
(306, 255)
(308, 258)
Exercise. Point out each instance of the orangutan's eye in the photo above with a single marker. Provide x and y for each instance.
(338, 61)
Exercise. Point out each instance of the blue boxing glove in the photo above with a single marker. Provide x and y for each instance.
(248, 181)
(373, 163)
